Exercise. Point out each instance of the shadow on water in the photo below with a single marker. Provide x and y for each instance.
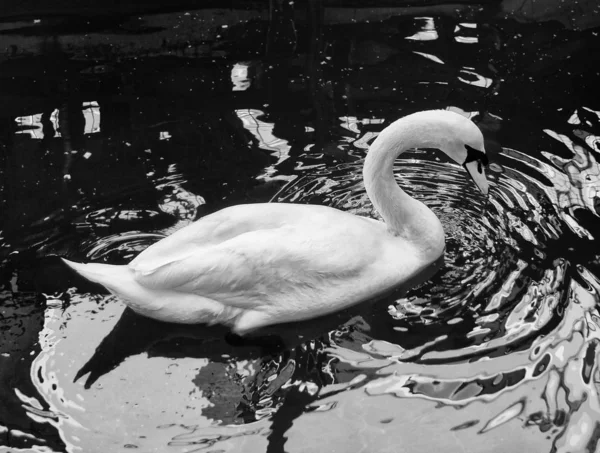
(105, 151)
(133, 334)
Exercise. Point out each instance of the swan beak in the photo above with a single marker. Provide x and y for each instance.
(476, 170)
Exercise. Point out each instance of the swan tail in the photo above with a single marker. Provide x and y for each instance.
(156, 303)
(104, 274)
(119, 281)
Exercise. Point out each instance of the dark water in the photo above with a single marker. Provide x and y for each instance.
(103, 157)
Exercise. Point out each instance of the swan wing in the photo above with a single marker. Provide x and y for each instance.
(261, 265)
(200, 269)
(210, 230)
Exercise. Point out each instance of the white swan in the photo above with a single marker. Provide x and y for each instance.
(254, 265)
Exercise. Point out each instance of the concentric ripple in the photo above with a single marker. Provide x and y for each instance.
(514, 300)
(502, 282)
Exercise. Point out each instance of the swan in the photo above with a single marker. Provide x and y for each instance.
(253, 265)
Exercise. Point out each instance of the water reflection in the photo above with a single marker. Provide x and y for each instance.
(427, 32)
(203, 377)
(508, 308)
(564, 360)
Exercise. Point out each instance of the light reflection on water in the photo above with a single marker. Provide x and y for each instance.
(508, 308)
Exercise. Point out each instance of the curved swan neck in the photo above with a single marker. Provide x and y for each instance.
(403, 215)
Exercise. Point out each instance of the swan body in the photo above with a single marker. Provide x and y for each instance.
(254, 265)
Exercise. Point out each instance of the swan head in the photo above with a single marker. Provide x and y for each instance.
(447, 131)
(475, 164)
(465, 145)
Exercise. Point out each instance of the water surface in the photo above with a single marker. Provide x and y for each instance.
(496, 352)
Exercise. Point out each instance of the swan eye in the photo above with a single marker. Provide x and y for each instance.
(476, 155)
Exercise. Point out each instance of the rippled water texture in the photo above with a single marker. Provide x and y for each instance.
(511, 321)
(498, 351)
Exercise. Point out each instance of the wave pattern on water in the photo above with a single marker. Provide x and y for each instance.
(513, 304)
(510, 320)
